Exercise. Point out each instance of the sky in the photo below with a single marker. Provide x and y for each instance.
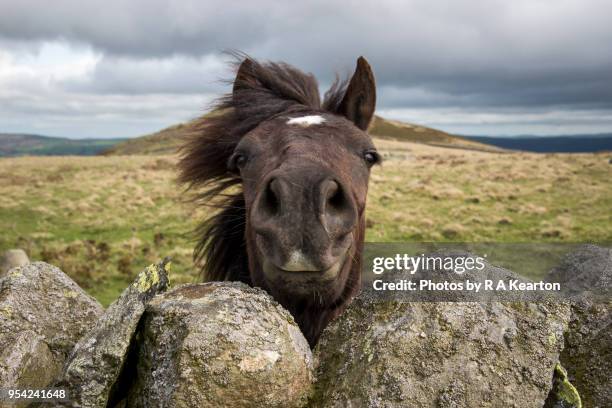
(123, 68)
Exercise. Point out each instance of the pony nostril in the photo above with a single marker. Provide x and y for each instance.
(335, 199)
(270, 200)
(337, 210)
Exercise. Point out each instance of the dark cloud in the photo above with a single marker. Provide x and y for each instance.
(446, 54)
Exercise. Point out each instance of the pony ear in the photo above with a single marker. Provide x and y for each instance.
(244, 75)
(359, 101)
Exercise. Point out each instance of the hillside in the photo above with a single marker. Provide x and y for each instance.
(406, 132)
(16, 144)
(166, 141)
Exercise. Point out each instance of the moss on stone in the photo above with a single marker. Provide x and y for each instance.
(563, 393)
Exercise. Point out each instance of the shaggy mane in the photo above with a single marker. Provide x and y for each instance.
(261, 91)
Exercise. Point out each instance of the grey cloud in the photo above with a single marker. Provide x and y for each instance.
(176, 74)
(586, 92)
(87, 115)
(463, 54)
(507, 121)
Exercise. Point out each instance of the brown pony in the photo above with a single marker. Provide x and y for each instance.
(290, 176)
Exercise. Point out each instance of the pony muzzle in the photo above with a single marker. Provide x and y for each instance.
(303, 273)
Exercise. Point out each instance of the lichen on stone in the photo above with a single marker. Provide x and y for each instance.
(150, 276)
(6, 311)
(93, 372)
(43, 313)
(399, 354)
(552, 339)
(213, 344)
(70, 294)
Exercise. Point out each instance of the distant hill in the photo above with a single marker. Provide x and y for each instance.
(168, 140)
(165, 141)
(408, 132)
(15, 144)
(551, 144)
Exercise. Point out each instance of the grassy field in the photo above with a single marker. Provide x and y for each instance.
(101, 219)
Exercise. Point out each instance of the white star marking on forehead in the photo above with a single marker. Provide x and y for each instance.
(306, 121)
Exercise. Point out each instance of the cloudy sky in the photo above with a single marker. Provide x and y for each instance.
(119, 68)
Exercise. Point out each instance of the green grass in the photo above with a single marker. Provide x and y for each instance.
(483, 197)
(99, 219)
(102, 219)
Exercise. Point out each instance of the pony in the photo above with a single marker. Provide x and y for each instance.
(288, 176)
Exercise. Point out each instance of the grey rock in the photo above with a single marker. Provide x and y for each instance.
(588, 352)
(43, 313)
(11, 259)
(220, 344)
(28, 362)
(96, 362)
(585, 271)
(587, 356)
(447, 354)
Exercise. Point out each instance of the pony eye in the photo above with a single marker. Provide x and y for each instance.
(240, 160)
(371, 157)
(236, 162)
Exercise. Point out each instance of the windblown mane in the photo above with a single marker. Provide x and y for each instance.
(261, 91)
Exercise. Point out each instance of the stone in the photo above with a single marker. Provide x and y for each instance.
(28, 362)
(92, 374)
(43, 313)
(586, 273)
(587, 270)
(220, 344)
(11, 259)
(587, 355)
(439, 354)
